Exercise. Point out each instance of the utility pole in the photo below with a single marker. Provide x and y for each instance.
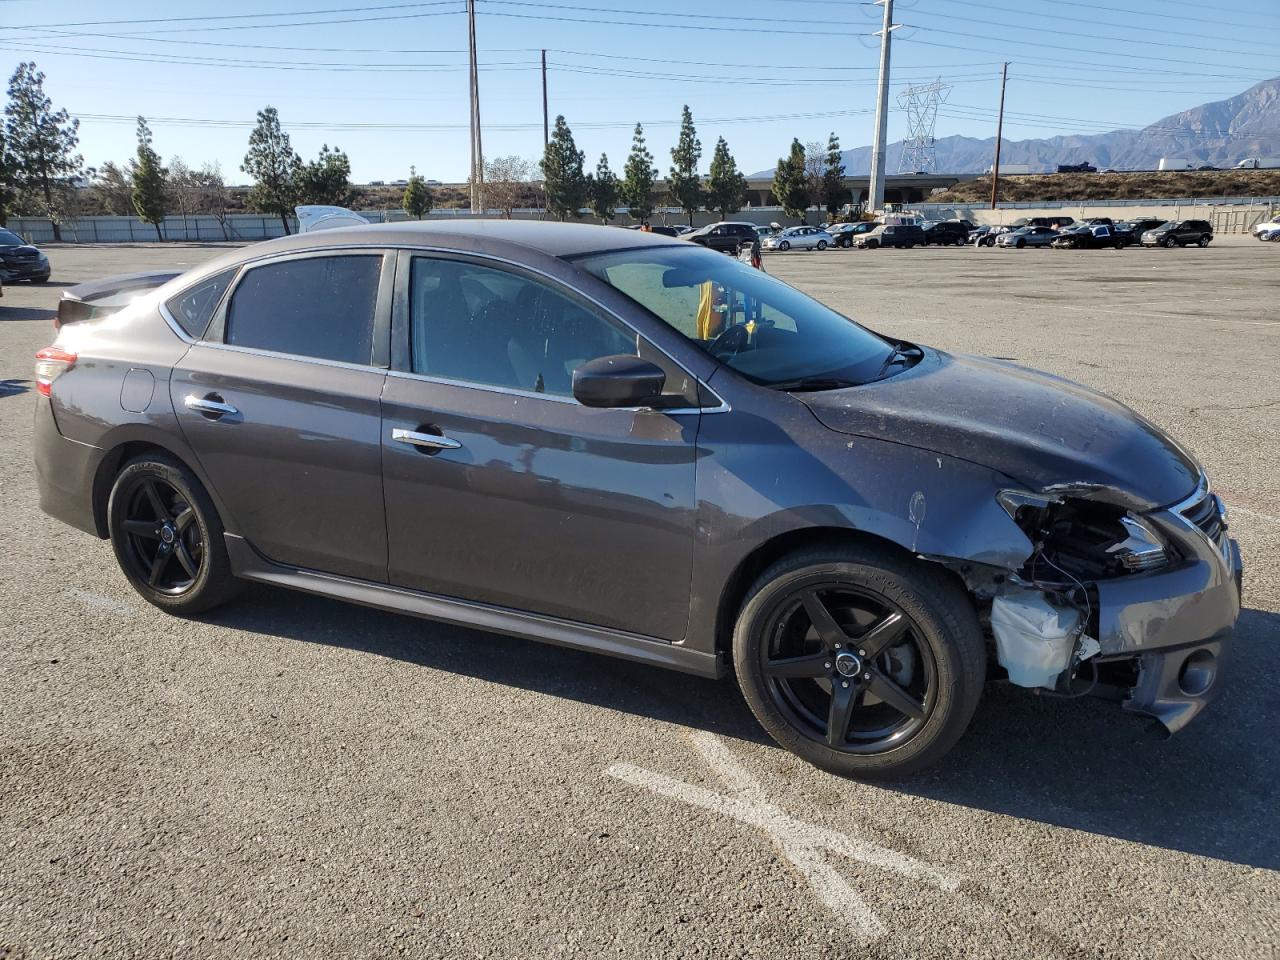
(995, 168)
(546, 130)
(875, 198)
(477, 150)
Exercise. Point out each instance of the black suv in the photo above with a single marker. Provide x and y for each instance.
(726, 236)
(946, 231)
(1179, 233)
(892, 235)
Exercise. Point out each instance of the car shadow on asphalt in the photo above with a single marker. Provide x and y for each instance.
(1212, 790)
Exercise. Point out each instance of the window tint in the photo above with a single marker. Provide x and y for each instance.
(314, 307)
(477, 324)
(193, 308)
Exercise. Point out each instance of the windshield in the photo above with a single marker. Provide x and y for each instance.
(8, 239)
(764, 329)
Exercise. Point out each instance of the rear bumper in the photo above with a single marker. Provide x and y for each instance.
(65, 471)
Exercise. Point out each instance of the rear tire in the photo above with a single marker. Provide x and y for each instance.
(822, 244)
(802, 674)
(168, 537)
(1204, 241)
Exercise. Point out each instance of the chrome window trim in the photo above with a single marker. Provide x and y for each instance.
(278, 355)
(174, 325)
(554, 398)
(721, 407)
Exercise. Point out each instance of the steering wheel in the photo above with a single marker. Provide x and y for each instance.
(730, 342)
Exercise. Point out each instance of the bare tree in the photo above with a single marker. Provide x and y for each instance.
(506, 182)
(212, 196)
(184, 191)
(815, 165)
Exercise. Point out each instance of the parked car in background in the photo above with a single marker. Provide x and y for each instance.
(1085, 237)
(1027, 237)
(1131, 231)
(1059, 223)
(664, 230)
(945, 232)
(1263, 230)
(726, 236)
(984, 235)
(892, 235)
(1085, 167)
(619, 443)
(798, 238)
(844, 234)
(1179, 233)
(20, 260)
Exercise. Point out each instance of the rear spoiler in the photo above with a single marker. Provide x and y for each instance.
(100, 298)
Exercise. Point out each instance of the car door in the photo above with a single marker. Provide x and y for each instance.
(500, 487)
(280, 403)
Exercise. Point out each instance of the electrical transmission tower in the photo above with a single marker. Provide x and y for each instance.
(920, 102)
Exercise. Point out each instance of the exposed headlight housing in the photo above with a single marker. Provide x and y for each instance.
(1142, 549)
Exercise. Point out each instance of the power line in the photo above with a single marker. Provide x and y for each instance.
(236, 16)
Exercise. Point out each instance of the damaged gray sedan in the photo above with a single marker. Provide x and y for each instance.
(624, 443)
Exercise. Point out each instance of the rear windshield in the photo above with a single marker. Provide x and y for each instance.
(764, 329)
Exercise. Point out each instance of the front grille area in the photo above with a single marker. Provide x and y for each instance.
(1206, 515)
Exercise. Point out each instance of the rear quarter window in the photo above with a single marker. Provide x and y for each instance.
(193, 308)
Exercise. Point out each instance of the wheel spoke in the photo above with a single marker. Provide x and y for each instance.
(822, 620)
(882, 634)
(142, 528)
(815, 665)
(895, 696)
(163, 555)
(842, 701)
(185, 558)
(184, 518)
(153, 497)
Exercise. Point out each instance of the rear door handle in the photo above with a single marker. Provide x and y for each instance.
(210, 405)
(427, 441)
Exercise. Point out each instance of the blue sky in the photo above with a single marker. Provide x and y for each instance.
(386, 79)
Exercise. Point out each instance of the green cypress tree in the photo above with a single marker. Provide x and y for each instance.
(604, 191)
(562, 173)
(417, 201)
(272, 162)
(726, 186)
(149, 181)
(791, 183)
(638, 178)
(683, 183)
(834, 192)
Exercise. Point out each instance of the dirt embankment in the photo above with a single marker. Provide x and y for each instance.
(1118, 186)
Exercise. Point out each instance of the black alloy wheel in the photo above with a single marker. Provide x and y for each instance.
(168, 537)
(860, 659)
(848, 669)
(165, 544)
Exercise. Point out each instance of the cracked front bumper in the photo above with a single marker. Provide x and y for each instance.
(1175, 627)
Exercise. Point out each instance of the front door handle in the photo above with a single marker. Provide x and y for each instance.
(210, 405)
(427, 441)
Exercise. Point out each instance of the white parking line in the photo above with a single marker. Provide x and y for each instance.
(804, 845)
(105, 604)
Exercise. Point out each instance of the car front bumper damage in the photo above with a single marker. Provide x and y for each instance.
(1157, 641)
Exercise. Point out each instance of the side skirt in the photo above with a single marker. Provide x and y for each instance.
(248, 564)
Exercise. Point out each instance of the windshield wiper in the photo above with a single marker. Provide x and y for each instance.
(900, 353)
(805, 384)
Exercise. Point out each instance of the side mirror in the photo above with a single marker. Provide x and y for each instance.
(618, 381)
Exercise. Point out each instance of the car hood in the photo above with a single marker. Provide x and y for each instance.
(1043, 431)
(24, 252)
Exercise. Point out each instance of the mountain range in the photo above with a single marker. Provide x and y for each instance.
(1219, 133)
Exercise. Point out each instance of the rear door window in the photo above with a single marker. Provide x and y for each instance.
(321, 307)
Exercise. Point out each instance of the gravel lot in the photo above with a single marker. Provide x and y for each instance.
(296, 777)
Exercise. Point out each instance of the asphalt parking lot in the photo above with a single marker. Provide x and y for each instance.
(291, 776)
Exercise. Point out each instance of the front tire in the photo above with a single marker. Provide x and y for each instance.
(1170, 242)
(168, 537)
(784, 245)
(860, 660)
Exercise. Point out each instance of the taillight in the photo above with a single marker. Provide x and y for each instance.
(51, 363)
